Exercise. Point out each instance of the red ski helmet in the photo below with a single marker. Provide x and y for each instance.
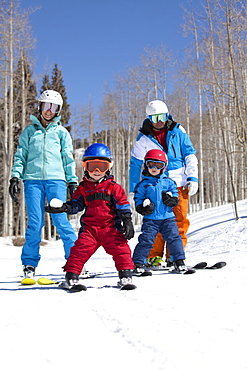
(156, 155)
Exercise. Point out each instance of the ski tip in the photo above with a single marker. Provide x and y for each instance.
(74, 289)
(28, 281)
(128, 287)
(200, 266)
(77, 288)
(44, 281)
(217, 265)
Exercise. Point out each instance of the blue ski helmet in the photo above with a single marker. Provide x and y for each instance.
(97, 150)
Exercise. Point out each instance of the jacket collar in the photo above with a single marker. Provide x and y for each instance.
(36, 121)
(145, 175)
(146, 128)
(105, 178)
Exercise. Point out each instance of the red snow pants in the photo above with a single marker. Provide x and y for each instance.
(92, 237)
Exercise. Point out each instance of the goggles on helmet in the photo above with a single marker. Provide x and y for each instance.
(155, 118)
(96, 164)
(159, 165)
(54, 108)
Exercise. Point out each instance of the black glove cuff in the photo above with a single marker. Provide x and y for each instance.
(67, 208)
(145, 211)
(126, 216)
(14, 180)
(169, 200)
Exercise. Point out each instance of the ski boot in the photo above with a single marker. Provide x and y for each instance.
(155, 263)
(72, 283)
(29, 271)
(181, 268)
(71, 279)
(141, 270)
(125, 282)
(169, 262)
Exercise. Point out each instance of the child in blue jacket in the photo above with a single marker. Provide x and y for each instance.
(154, 198)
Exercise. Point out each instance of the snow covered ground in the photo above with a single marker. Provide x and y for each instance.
(170, 322)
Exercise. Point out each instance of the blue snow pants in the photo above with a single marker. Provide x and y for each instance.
(36, 193)
(169, 231)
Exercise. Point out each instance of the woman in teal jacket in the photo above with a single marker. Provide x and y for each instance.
(44, 161)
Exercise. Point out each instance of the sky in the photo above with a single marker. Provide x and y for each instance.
(170, 322)
(92, 41)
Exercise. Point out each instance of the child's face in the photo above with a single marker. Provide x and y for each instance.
(155, 167)
(154, 171)
(97, 168)
(97, 175)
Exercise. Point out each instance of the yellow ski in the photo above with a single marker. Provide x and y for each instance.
(40, 281)
(28, 281)
(44, 281)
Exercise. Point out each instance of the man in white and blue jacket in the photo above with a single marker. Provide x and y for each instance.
(44, 162)
(160, 131)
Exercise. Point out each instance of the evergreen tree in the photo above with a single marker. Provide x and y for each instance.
(24, 96)
(46, 84)
(58, 85)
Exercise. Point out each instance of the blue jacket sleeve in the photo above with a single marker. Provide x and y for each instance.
(173, 188)
(134, 172)
(20, 157)
(140, 192)
(120, 200)
(77, 204)
(67, 158)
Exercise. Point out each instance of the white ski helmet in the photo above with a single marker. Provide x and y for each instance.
(51, 96)
(156, 107)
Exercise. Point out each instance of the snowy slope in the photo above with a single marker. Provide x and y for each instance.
(171, 322)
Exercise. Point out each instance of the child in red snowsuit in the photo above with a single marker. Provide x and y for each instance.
(105, 208)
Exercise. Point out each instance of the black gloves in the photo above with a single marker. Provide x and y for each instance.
(13, 188)
(169, 200)
(145, 211)
(128, 228)
(65, 208)
(72, 186)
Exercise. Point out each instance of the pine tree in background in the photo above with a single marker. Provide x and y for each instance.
(24, 96)
(58, 85)
(46, 84)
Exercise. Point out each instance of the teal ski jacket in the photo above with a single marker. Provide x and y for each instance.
(45, 153)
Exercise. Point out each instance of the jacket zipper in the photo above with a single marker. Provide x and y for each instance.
(43, 167)
(174, 150)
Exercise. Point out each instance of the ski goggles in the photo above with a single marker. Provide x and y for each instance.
(155, 118)
(159, 165)
(96, 164)
(54, 108)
